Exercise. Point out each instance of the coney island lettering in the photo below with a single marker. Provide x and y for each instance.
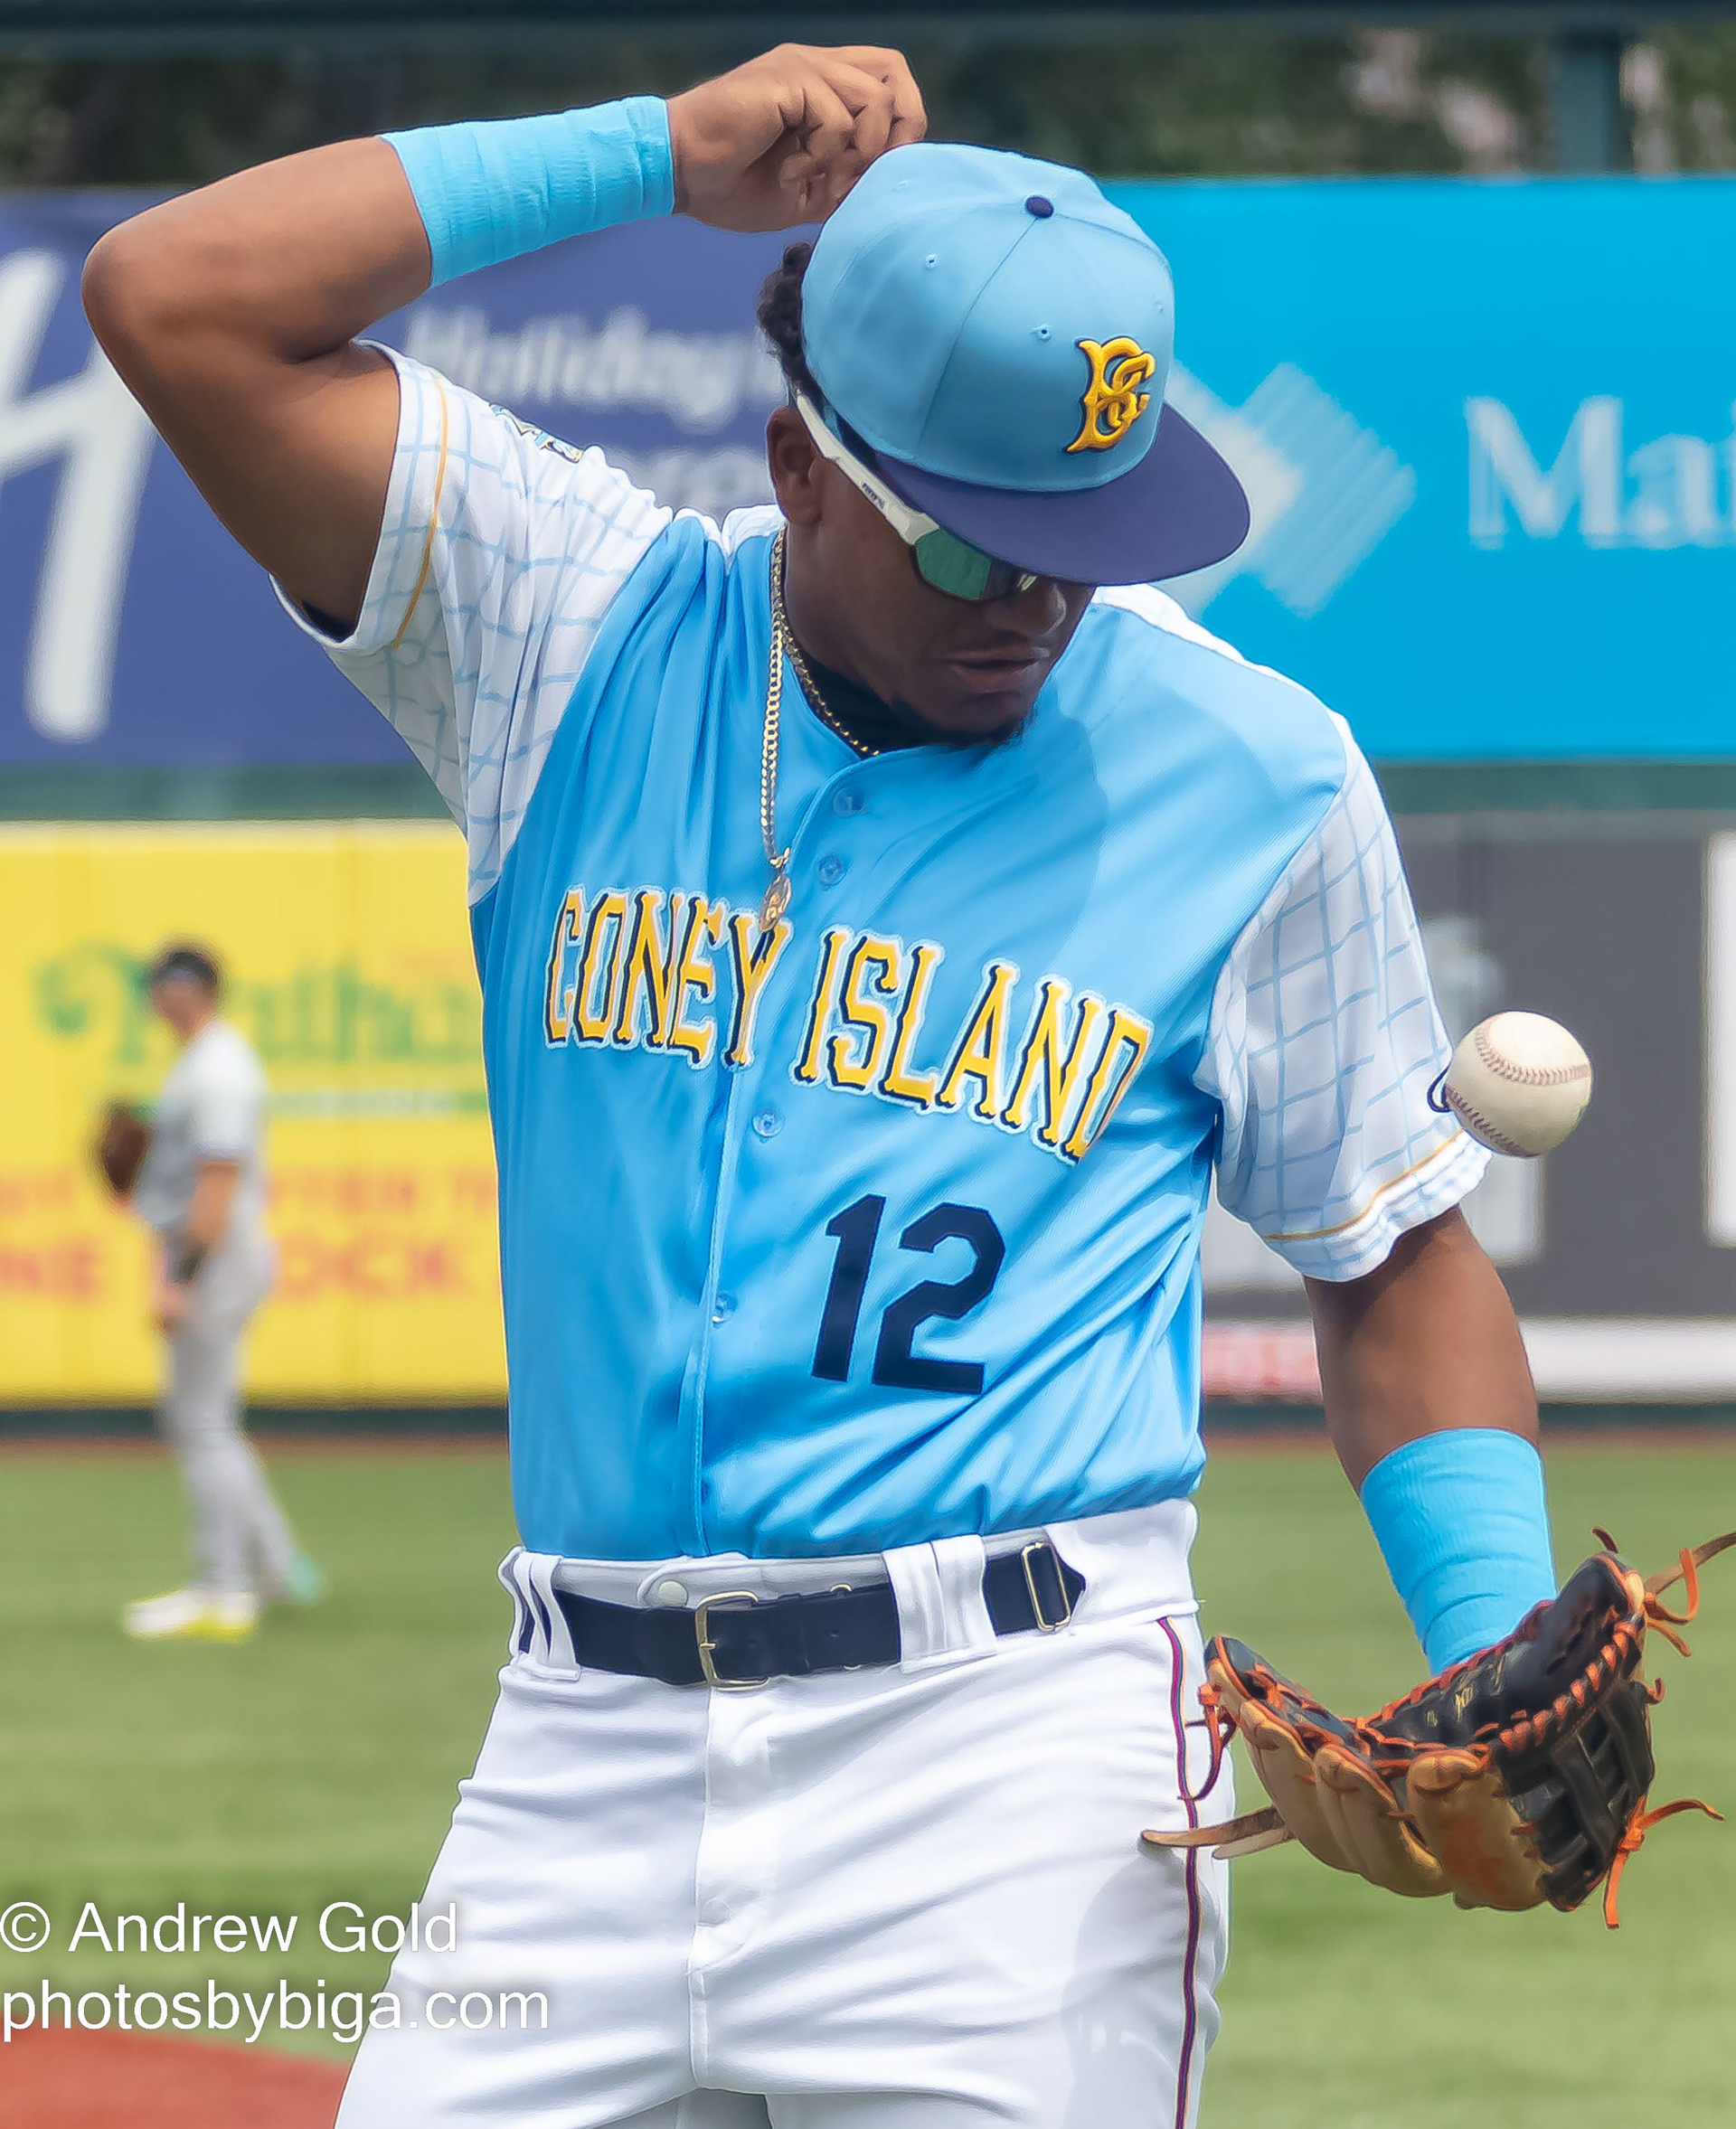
(643, 968)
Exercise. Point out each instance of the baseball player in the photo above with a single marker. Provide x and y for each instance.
(202, 1192)
(889, 910)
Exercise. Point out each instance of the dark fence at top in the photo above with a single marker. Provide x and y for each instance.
(216, 21)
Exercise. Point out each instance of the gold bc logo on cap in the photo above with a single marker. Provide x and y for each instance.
(1113, 401)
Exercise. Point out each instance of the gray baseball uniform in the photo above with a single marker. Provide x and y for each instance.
(213, 1107)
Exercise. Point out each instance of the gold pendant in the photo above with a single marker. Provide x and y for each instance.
(774, 901)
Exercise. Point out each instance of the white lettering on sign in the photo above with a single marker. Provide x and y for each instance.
(91, 423)
(1675, 491)
(700, 381)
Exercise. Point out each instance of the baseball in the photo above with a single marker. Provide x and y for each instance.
(1518, 1082)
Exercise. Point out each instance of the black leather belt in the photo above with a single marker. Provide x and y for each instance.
(736, 1640)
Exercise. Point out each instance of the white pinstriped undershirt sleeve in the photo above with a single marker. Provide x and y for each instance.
(1325, 1041)
(498, 557)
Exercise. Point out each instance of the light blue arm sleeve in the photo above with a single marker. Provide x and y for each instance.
(496, 190)
(1463, 1525)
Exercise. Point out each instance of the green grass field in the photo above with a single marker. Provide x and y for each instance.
(319, 1765)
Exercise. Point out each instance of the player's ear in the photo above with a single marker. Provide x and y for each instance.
(795, 466)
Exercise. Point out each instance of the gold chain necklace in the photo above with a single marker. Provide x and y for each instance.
(776, 898)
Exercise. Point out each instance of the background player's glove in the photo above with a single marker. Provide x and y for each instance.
(1517, 1776)
(121, 1143)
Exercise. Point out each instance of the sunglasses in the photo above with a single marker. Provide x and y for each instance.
(945, 562)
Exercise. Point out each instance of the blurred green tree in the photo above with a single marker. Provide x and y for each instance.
(1240, 102)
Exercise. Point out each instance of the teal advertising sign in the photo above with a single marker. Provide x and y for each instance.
(1487, 430)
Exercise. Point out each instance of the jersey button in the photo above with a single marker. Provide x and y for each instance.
(769, 1123)
(847, 802)
(723, 1308)
(830, 871)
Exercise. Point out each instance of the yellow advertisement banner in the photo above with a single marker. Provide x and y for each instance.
(349, 968)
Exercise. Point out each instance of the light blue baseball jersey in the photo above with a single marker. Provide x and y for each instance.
(881, 1225)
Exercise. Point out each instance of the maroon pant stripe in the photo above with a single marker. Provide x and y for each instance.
(1190, 2019)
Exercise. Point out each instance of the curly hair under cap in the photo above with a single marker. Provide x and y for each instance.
(780, 319)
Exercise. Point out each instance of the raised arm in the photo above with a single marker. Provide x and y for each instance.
(231, 315)
(232, 312)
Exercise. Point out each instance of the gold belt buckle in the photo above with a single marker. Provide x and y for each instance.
(707, 1647)
(1066, 1618)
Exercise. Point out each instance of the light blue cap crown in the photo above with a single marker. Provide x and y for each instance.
(944, 307)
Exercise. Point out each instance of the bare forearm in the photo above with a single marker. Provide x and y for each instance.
(1431, 1406)
(208, 1209)
(1428, 1341)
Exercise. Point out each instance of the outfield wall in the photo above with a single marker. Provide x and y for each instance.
(354, 978)
(1494, 524)
(1619, 1249)
(1487, 429)
(353, 974)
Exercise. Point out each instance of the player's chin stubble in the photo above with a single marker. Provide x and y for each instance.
(930, 731)
(981, 722)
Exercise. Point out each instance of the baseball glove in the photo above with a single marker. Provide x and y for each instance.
(1517, 1776)
(120, 1146)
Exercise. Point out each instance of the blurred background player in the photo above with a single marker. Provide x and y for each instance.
(201, 1190)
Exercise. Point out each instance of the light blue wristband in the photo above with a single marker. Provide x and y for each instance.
(1463, 1525)
(496, 190)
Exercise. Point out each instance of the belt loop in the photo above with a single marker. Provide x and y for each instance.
(523, 1626)
(539, 1631)
(940, 1606)
(557, 1652)
(916, 1584)
(961, 1563)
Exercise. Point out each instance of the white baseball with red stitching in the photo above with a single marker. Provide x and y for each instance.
(1519, 1082)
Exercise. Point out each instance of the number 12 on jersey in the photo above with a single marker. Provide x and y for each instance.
(897, 1364)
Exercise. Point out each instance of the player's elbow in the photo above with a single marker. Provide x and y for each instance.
(142, 293)
(120, 291)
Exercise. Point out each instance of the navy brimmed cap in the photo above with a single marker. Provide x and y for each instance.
(999, 336)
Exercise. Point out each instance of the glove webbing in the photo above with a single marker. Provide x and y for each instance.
(1255, 1831)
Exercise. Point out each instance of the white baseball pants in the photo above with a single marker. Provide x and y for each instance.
(910, 1898)
(240, 1539)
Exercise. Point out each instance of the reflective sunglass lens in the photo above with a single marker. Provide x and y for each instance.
(953, 566)
(950, 566)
